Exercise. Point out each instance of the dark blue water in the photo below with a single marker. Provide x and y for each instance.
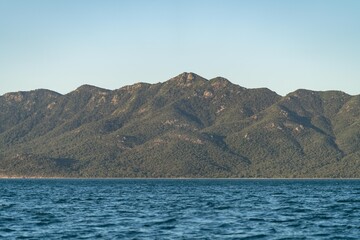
(179, 209)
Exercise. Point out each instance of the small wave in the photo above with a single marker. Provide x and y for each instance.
(255, 219)
(322, 217)
(257, 236)
(47, 222)
(295, 225)
(7, 206)
(106, 225)
(167, 221)
(162, 222)
(225, 225)
(222, 207)
(132, 233)
(335, 207)
(61, 201)
(284, 220)
(8, 219)
(321, 235)
(70, 236)
(7, 230)
(348, 201)
(167, 227)
(293, 209)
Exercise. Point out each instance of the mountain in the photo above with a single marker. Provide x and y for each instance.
(187, 126)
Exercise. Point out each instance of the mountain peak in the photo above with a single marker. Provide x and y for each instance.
(187, 75)
(26, 95)
(220, 82)
(187, 79)
(89, 88)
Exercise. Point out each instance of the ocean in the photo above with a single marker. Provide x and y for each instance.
(179, 209)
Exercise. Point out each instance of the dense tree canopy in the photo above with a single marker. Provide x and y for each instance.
(187, 126)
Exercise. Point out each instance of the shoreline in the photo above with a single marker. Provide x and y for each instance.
(179, 178)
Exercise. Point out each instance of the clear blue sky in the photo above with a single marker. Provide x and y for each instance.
(280, 44)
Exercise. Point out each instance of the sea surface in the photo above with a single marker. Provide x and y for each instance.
(179, 209)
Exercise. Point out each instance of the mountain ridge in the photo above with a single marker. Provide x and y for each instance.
(187, 126)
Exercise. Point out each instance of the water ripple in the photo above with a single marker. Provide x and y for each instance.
(179, 209)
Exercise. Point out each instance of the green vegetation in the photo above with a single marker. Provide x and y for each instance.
(185, 127)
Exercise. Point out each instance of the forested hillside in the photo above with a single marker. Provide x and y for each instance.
(187, 126)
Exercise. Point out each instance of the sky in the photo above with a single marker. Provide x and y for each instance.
(283, 45)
